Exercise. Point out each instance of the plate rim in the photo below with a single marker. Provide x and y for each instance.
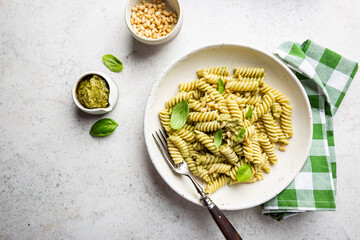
(159, 80)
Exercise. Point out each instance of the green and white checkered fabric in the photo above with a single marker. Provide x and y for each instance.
(325, 76)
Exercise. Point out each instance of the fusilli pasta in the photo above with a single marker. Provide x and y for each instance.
(252, 116)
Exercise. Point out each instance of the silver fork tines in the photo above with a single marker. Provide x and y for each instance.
(181, 168)
(160, 140)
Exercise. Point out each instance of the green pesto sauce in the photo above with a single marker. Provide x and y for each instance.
(233, 125)
(93, 92)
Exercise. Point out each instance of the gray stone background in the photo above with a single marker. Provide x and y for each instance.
(58, 182)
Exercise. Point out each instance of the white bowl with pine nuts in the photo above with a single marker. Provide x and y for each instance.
(154, 22)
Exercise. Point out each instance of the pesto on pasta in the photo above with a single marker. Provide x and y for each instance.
(253, 118)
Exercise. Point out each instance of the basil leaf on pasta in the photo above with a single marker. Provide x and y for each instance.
(103, 127)
(179, 115)
(241, 134)
(221, 88)
(244, 173)
(112, 63)
(218, 138)
(249, 113)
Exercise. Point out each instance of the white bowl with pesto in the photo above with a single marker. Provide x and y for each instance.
(113, 94)
(172, 5)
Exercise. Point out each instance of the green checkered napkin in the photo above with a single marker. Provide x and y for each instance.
(325, 76)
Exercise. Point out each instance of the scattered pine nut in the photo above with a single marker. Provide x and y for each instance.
(282, 148)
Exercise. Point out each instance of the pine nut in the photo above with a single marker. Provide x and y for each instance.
(282, 148)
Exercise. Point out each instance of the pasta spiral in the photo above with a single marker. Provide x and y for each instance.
(210, 159)
(192, 166)
(180, 144)
(223, 71)
(195, 105)
(279, 97)
(203, 173)
(276, 110)
(248, 151)
(233, 108)
(174, 152)
(164, 116)
(286, 120)
(208, 142)
(179, 97)
(270, 127)
(217, 183)
(185, 134)
(187, 87)
(197, 94)
(238, 150)
(212, 126)
(242, 86)
(203, 116)
(262, 108)
(219, 168)
(268, 149)
(228, 153)
(252, 99)
(213, 78)
(249, 72)
(257, 155)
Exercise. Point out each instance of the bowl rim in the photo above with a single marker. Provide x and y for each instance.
(113, 94)
(163, 39)
(183, 57)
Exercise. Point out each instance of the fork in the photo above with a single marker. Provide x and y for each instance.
(182, 168)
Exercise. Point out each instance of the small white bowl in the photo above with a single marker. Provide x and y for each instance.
(113, 94)
(174, 5)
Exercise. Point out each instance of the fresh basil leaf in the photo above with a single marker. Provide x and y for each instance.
(179, 115)
(221, 88)
(249, 113)
(218, 138)
(241, 134)
(103, 127)
(112, 63)
(244, 173)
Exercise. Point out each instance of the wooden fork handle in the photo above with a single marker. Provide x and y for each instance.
(223, 223)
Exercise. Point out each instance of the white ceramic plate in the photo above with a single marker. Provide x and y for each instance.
(239, 196)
